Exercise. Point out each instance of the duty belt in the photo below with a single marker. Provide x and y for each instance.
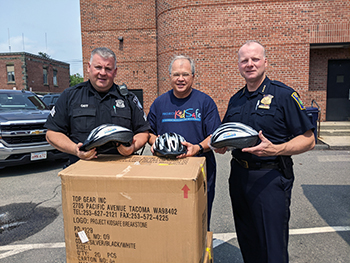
(257, 165)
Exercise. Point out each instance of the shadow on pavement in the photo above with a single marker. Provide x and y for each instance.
(37, 167)
(227, 253)
(332, 204)
(20, 220)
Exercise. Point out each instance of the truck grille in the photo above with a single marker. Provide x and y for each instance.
(22, 127)
(16, 134)
(25, 139)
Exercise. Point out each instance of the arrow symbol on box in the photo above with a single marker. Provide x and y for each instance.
(185, 189)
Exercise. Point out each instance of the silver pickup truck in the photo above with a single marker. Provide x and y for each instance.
(22, 132)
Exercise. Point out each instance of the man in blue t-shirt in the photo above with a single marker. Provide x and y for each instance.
(190, 113)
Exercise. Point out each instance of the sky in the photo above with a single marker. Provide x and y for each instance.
(48, 26)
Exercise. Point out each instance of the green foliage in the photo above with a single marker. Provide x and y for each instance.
(75, 79)
(44, 55)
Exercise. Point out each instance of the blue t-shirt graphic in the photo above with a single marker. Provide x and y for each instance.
(194, 117)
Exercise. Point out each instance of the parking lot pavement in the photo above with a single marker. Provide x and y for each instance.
(319, 225)
(320, 215)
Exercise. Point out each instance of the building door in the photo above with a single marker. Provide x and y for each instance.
(338, 90)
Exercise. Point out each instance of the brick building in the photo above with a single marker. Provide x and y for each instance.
(23, 70)
(307, 44)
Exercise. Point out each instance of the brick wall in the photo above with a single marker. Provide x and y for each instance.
(29, 73)
(211, 32)
(102, 22)
(35, 75)
(17, 63)
(318, 79)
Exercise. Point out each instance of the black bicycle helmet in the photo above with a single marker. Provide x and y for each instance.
(234, 134)
(169, 145)
(106, 133)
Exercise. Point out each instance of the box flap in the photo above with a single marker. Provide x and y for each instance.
(136, 166)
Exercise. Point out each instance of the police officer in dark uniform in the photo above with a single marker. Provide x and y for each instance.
(97, 101)
(262, 176)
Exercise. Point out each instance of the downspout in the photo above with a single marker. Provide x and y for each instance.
(24, 72)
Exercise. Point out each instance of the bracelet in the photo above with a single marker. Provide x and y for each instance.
(200, 149)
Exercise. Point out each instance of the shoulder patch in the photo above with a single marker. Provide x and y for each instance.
(53, 111)
(139, 106)
(137, 102)
(295, 96)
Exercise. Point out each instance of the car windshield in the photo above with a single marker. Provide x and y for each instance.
(20, 101)
(46, 100)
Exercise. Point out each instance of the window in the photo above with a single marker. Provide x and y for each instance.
(55, 77)
(10, 73)
(11, 100)
(340, 79)
(45, 75)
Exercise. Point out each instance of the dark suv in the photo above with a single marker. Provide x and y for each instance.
(22, 132)
(50, 99)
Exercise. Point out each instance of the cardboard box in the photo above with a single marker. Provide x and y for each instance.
(135, 209)
(209, 252)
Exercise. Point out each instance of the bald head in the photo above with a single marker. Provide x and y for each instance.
(252, 42)
(252, 64)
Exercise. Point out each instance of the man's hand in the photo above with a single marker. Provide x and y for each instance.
(264, 148)
(222, 150)
(127, 150)
(297, 145)
(61, 142)
(192, 150)
(88, 155)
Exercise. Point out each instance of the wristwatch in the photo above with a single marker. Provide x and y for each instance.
(200, 149)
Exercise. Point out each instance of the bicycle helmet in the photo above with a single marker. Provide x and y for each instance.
(169, 145)
(106, 133)
(235, 135)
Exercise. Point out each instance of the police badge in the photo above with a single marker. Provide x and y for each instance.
(265, 102)
(119, 103)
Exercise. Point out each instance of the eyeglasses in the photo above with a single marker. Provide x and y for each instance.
(184, 75)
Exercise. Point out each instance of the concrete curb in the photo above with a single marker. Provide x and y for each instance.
(325, 146)
(333, 143)
(321, 147)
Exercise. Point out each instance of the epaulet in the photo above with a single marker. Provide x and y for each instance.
(282, 85)
(278, 83)
(123, 90)
(81, 84)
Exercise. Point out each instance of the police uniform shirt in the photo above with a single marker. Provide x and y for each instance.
(80, 109)
(273, 108)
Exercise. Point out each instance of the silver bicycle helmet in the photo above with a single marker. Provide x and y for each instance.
(234, 134)
(106, 133)
(169, 145)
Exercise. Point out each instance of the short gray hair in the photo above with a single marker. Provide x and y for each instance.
(104, 53)
(182, 57)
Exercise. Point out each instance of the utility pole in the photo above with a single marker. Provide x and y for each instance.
(9, 39)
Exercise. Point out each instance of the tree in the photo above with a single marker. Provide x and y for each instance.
(44, 55)
(75, 79)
